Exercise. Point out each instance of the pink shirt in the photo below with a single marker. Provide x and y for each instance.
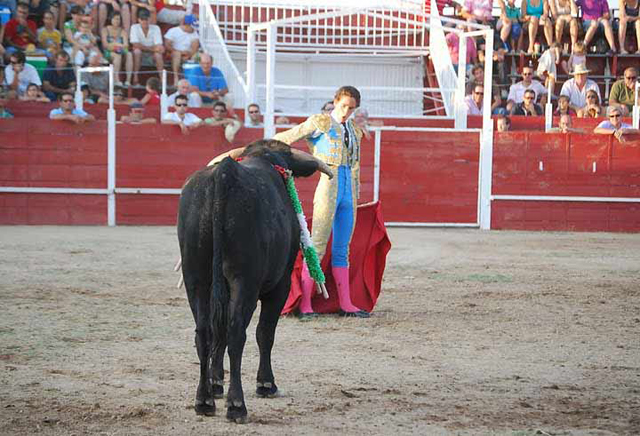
(453, 42)
(593, 9)
(479, 8)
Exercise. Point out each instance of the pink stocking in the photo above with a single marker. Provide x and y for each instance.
(341, 276)
(307, 288)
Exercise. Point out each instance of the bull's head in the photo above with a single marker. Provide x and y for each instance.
(278, 153)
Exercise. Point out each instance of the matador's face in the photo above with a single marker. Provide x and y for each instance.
(344, 107)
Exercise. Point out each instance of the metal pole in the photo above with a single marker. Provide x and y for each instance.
(164, 99)
(78, 96)
(486, 141)
(376, 165)
(251, 71)
(460, 107)
(548, 110)
(111, 155)
(269, 125)
(636, 108)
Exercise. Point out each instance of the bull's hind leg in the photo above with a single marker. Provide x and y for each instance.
(205, 404)
(217, 365)
(265, 334)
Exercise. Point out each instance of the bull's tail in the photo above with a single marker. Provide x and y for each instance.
(224, 177)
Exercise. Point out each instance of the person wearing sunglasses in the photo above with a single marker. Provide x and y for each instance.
(255, 117)
(622, 91)
(528, 107)
(614, 125)
(517, 90)
(19, 75)
(136, 115)
(68, 112)
(593, 108)
(181, 117)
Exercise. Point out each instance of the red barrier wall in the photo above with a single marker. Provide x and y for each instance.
(425, 176)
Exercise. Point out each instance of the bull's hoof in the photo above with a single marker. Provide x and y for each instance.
(267, 390)
(205, 409)
(218, 391)
(237, 414)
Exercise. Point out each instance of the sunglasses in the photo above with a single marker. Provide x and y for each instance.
(528, 98)
(615, 116)
(478, 93)
(16, 63)
(631, 77)
(181, 104)
(254, 112)
(66, 100)
(592, 96)
(527, 74)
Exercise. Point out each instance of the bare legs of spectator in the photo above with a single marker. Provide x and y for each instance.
(548, 29)
(534, 22)
(137, 63)
(505, 32)
(176, 62)
(622, 32)
(103, 12)
(117, 66)
(562, 22)
(158, 57)
(608, 32)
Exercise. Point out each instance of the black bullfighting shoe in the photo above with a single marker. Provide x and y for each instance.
(358, 314)
(307, 316)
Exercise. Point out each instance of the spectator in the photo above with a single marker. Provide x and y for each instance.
(477, 11)
(478, 79)
(503, 123)
(144, 5)
(18, 75)
(37, 8)
(535, 13)
(528, 107)
(361, 119)
(576, 88)
(4, 112)
(85, 43)
(578, 56)
(595, 14)
(614, 126)
(628, 14)
(510, 24)
(49, 38)
(183, 88)
(109, 8)
(182, 43)
(565, 125)
(209, 82)
(563, 107)
(152, 97)
(516, 91)
(221, 118)
(120, 98)
(171, 16)
(181, 117)
(453, 43)
(19, 32)
(592, 108)
(474, 101)
(255, 117)
(563, 13)
(71, 27)
(547, 69)
(327, 108)
(146, 40)
(87, 95)
(622, 91)
(98, 81)
(67, 110)
(115, 42)
(34, 94)
(59, 78)
(136, 115)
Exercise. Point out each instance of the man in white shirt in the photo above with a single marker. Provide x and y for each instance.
(516, 91)
(576, 88)
(186, 121)
(183, 88)
(18, 75)
(474, 100)
(146, 41)
(182, 43)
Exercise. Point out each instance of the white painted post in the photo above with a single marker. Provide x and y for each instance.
(269, 118)
(78, 96)
(164, 99)
(636, 108)
(548, 110)
(485, 170)
(460, 106)
(376, 165)
(251, 72)
(111, 155)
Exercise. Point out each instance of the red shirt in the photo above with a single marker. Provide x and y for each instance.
(19, 39)
(159, 5)
(154, 100)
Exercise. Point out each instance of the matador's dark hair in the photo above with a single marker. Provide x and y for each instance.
(349, 91)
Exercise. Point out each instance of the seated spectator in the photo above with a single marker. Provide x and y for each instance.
(146, 40)
(109, 8)
(18, 75)
(510, 24)
(98, 81)
(59, 78)
(115, 42)
(49, 38)
(20, 32)
(622, 91)
(119, 96)
(88, 97)
(152, 97)
(528, 107)
(516, 91)
(453, 43)
(578, 57)
(171, 16)
(255, 117)
(183, 88)
(535, 13)
(477, 11)
(547, 69)
(37, 8)
(478, 79)
(503, 123)
(327, 108)
(136, 115)
(209, 82)
(181, 117)
(576, 88)
(70, 28)
(593, 108)
(182, 43)
(614, 126)
(563, 13)
(565, 125)
(361, 118)
(628, 15)
(221, 118)
(563, 107)
(67, 110)
(595, 14)
(4, 112)
(85, 43)
(34, 94)
(474, 101)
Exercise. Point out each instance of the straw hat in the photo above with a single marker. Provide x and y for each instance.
(580, 69)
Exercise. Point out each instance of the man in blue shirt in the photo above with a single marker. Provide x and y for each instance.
(67, 110)
(209, 82)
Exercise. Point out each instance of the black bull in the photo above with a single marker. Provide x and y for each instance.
(239, 237)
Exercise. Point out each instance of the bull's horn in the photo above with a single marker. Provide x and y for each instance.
(322, 166)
